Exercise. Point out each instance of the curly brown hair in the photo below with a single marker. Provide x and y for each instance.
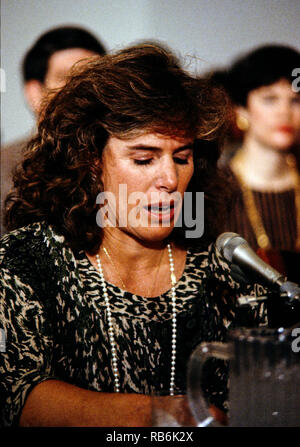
(139, 89)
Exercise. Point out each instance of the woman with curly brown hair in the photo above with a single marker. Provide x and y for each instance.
(106, 288)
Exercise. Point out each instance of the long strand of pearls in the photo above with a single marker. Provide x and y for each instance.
(111, 328)
(174, 321)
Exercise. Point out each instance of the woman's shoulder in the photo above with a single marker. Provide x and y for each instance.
(209, 259)
(37, 258)
(218, 270)
(34, 242)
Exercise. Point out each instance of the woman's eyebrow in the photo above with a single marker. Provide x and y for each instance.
(147, 147)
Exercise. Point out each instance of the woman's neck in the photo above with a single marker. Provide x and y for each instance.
(264, 168)
(137, 266)
(129, 250)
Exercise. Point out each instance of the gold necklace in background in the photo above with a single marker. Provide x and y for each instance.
(255, 219)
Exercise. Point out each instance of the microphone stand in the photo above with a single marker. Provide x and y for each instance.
(282, 310)
(282, 301)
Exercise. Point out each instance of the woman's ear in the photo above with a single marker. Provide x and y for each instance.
(242, 119)
(34, 92)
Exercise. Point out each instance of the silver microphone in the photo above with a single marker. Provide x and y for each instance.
(237, 251)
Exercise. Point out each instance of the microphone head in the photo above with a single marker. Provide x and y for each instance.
(236, 250)
(227, 242)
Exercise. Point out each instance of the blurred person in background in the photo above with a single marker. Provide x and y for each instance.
(266, 203)
(45, 67)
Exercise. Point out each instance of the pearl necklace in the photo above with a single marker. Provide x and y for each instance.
(111, 328)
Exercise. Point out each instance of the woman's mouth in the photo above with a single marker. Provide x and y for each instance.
(161, 212)
(286, 129)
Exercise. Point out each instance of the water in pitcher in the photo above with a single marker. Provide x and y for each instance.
(264, 388)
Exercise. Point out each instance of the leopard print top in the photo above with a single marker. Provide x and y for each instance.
(54, 318)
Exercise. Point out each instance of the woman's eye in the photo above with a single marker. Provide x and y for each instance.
(146, 161)
(296, 100)
(270, 98)
(181, 161)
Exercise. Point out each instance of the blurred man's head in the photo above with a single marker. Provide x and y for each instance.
(50, 59)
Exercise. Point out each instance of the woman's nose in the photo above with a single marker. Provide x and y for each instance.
(286, 108)
(167, 176)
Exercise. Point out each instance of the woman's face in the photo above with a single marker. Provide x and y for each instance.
(147, 176)
(273, 113)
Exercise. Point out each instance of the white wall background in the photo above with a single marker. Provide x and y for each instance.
(214, 31)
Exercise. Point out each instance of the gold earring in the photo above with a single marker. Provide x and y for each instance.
(242, 123)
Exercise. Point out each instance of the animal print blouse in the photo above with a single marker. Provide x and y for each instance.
(53, 315)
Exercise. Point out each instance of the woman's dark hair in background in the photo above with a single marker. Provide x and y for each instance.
(139, 89)
(261, 67)
(35, 63)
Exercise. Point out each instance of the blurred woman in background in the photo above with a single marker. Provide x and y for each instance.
(266, 203)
